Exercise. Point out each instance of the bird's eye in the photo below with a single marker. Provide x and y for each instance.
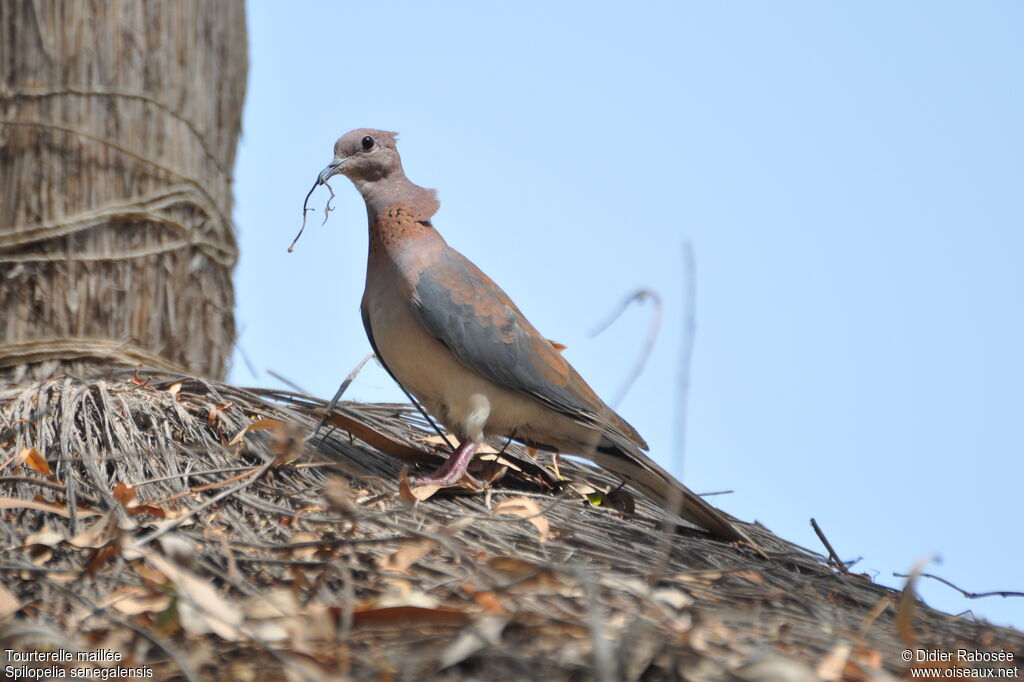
(367, 143)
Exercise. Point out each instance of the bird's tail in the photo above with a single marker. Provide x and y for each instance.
(643, 473)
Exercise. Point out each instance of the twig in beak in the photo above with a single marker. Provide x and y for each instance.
(306, 210)
(328, 208)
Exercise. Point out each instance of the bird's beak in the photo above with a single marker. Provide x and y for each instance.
(333, 168)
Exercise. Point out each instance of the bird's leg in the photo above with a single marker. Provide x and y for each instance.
(452, 471)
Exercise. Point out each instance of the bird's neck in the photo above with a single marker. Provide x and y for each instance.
(399, 215)
(396, 190)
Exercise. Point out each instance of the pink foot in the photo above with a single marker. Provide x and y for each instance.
(453, 470)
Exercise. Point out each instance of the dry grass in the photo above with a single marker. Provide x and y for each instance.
(189, 524)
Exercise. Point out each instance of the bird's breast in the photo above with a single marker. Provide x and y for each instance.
(469, 405)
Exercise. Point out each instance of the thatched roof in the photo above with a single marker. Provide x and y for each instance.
(196, 528)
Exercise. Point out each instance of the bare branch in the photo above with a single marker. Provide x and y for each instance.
(969, 595)
(833, 558)
(652, 335)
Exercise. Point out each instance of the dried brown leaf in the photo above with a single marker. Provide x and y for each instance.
(35, 459)
(59, 509)
(879, 608)
(147, 509)
(488, 600)
(407, 555)
(201, 608)
(526, 508)
(263, 424)
(752, 576)
(408, 615)
(513, 567)
(413, 493)
(183, 550)
(699, 577)
(673, 597)
(41, 543)
(437, 441)
(132, 601)
(304, 553)
(278, 602)
(770, 667)
(907, 605)
(867, 658)
(485, 632)
(125, 494)
(216, 410)
(524, 577)
(382, 441)
(273, 615)
(99, 533)
(45, 537)
(500, 459)
(101, 556)
(339, 495)
(9, 604)
(830, 668)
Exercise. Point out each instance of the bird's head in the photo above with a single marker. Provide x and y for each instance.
(364, 156)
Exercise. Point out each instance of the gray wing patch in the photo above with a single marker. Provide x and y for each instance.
(487, 335)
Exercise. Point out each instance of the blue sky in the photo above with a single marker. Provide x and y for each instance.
(849, 175)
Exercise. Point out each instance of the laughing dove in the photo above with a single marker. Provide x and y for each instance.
(454, 340)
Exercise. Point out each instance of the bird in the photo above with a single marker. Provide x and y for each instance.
(453, 339)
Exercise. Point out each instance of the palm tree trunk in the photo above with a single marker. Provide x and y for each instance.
(118, 128)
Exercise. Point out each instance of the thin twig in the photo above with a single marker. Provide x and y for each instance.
(833, 558)
(190, 474)
(884, 603)
(306, 210)
(652, 336)
(686, 353)
(348, 595)
(288, 382)
(416, 404)
(682, 396)
(340, 392)
(328, 208)
(208, 486)
(247, 360)
(969, 595)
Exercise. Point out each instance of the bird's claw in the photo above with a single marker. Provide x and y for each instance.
(448, 479)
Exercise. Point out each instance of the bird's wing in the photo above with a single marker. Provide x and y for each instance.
(465, 310)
